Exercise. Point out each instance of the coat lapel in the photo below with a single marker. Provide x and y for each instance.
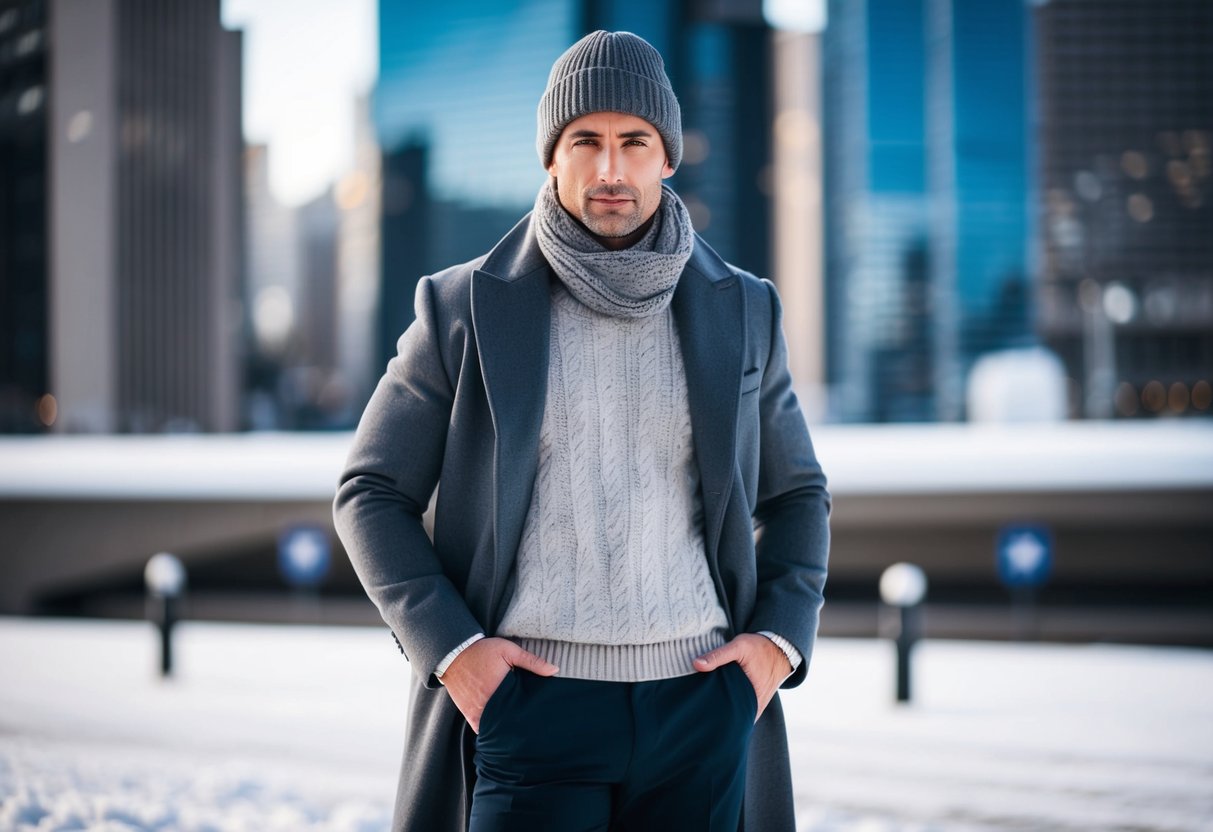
(511, 314)
(709, 309)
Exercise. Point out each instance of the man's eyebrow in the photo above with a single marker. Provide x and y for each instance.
(594, 134)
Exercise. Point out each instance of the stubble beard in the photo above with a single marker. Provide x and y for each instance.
(613, 224)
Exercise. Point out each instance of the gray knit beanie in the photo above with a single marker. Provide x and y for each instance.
(615, 71)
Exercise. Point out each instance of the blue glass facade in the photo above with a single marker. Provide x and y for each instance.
(988, 141)
(879, 353)
(895, 114)
(463, 77)
(926, 231)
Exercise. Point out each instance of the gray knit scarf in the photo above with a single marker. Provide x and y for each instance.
(628, 283)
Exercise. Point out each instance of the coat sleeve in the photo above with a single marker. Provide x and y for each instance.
(791, 516)
(385, 487)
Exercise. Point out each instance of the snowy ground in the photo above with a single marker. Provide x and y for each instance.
(297, 729)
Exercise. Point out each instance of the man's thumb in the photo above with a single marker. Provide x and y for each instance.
(529, 661)
(710, 661)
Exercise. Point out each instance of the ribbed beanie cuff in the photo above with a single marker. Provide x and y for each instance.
(609, 71)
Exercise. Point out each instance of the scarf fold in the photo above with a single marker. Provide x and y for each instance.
(628, 283)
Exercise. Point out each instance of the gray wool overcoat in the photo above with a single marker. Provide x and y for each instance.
(459, 409)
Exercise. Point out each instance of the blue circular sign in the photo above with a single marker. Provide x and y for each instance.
(1025, 555)
(304, 555)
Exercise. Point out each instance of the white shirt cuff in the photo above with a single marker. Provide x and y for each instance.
(450, 657)
(794, 657)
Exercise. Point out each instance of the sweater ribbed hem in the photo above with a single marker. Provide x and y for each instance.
(623, 662)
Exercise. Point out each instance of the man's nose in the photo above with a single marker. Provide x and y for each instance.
(609, 165)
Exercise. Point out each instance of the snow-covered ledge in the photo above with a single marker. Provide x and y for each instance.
(858, 459)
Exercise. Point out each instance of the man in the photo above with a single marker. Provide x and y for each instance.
(631, 528)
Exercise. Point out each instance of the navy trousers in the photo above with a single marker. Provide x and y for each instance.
(572, 755)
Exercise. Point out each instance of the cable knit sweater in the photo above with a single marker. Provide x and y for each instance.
(611, 580)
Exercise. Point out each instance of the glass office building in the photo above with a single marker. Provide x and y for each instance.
(24, 289)
(1125, 203)
(926, 157)
(120, 216)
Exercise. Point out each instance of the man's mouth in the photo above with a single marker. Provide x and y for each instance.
(612, 198)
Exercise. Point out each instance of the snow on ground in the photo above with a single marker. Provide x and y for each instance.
(1006, 736)
(299, 729)
(262, 728)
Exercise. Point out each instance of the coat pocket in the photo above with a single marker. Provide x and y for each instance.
(751, 380)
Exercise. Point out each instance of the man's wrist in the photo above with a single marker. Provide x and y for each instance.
(451, 656)
(789, 650)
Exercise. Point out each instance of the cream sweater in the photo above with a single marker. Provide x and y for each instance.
(611, 577)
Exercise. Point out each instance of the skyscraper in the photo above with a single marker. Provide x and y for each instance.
(925, 160)
(977, 182)
(126, 119)
(24, 295)
(359, 196)
(1125, 201)
(876, 211)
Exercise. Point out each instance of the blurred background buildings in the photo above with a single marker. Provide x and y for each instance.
(1124, 200)
(974, 211)
(122, 227)
(926, 194)
(929, 181)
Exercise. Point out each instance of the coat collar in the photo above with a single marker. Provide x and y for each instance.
(511, 318)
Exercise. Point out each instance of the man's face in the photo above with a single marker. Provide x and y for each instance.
(608, 168)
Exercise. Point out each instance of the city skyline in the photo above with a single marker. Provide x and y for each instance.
(929, 184)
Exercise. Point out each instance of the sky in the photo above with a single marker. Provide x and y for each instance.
(305, 63)
(795, 15)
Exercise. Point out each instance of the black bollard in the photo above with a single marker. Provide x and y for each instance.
(903, 587)
(165, 579)
(908, 635)
(165, 617)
